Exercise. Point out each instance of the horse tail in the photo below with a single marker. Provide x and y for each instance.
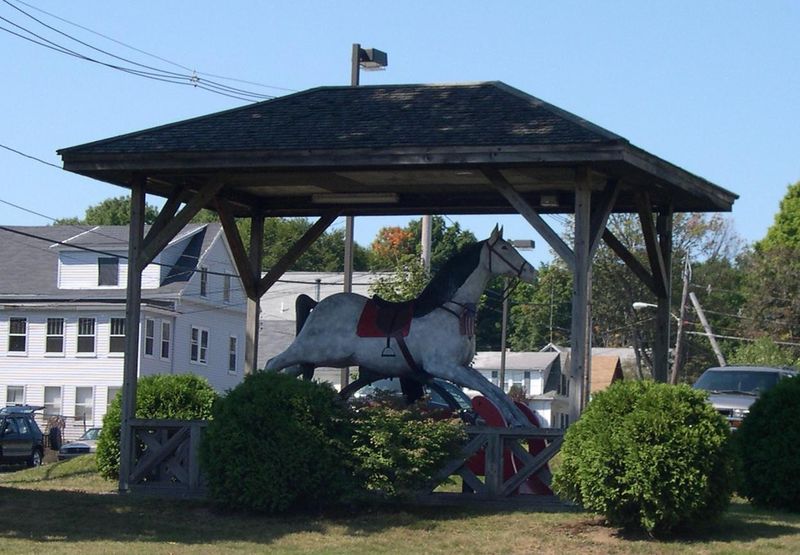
(303, 306)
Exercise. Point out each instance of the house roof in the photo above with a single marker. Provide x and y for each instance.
(29, 272)
(605, 371)
(422, 146)
(490, 360)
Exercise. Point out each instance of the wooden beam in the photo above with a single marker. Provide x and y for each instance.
(580, 338)
(253, 320)
(154, 243)
(499, 182)
(630, 260)
(601, 210)
(248, 275)
(167, 213)
(662, 340)
(651, 242)
(133, 303)
(296, 251)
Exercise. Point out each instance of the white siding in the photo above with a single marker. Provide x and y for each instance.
(78, 270)
(226, 323)
(35, 369)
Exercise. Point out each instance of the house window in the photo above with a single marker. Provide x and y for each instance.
(18, 335)
(54, 342)
(117, 336)
(232, 355)
(495, 377)
(113, 391)
(15, 395)
(166, 331)
(52, 401)
(86, 335)
(564, 386)
(199, 350)
(108, 271)
(203, 282)
(149, 336)
(84, 404)
(226, 289)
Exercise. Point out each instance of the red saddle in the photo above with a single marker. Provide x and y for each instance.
(381, 318)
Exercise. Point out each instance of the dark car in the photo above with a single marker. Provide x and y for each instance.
(21, 440)
(732, 389)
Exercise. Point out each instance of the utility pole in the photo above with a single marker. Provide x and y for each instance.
(503, 335)
(711, 338)
(427, 224)
(678, 354)
(368, 59)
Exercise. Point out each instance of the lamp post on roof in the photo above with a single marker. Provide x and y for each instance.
(523, 245)
(369, 59)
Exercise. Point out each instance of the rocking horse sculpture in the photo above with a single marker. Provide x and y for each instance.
(434, 333)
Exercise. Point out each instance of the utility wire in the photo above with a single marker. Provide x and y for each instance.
(176, 64)
(15, 151)
(157, 75)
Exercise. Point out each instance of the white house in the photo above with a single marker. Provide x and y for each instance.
(538, 374)
(62, 316)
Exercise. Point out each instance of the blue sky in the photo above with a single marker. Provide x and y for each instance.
(712, 86)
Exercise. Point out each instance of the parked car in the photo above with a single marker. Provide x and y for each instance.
(84, 445)
(21, 440)
(732, 389)
(440, 394)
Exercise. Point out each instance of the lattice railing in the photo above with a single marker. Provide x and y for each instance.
(166, 456)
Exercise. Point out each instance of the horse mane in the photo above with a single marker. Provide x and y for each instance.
(448, 279)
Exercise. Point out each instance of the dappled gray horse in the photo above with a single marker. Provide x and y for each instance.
(437, 337)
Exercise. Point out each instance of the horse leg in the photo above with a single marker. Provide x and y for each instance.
(471, 378)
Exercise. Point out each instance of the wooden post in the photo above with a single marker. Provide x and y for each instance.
(676, 361)
(253, 300)
(662, 341)
(580, 338)
(132, 318)
(707, 327)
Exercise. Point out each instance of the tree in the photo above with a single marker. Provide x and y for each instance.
(393, 245)
(112, 211)
(709, 239)
(541, 313)
(764, 352)
(771, 286)
(785, 230)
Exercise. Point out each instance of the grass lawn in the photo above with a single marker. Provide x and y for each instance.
(66, 508)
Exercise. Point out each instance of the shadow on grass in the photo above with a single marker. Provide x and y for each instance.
(56, 516)
(742, 523)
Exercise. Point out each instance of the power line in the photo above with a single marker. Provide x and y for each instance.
(15, 151)
(176, 64)
(155, 73)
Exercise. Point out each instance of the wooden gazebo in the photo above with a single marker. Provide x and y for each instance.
(483, 148)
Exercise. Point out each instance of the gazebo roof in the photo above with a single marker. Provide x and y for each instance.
(392, 149)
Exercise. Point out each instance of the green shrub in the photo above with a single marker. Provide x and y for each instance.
(179, 396)
(648, 456)
(277, 443)
(398, 451)
(768, 443)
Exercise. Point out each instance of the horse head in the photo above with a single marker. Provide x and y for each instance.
(504, 259)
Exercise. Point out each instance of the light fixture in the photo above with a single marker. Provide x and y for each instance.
(355, 198)
(523, 244)
(372, 59)
(548, 201)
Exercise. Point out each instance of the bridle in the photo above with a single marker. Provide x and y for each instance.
(490, 244)
(495, 251)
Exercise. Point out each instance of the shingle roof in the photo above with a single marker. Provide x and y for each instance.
(369, 117)
(29, 255)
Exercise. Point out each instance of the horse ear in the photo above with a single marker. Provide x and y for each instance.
(497, 232)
